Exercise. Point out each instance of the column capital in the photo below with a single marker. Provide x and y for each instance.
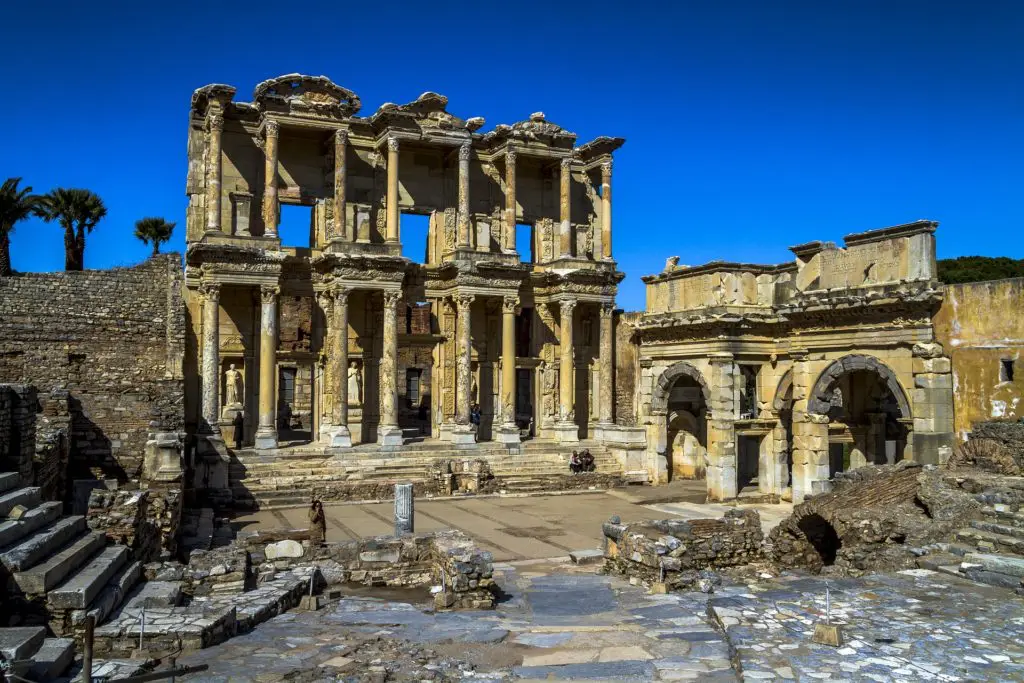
(566, 163)
(210, 291)
(566, 306)
(723, 357)
(340, 137)
(464, 301)
(464, 150)
(509, 304)
(269, 293)
(510, 156)
(215, 122)
(607, 309)
(606, 168)
(340, 292)
(272, 129)
(799, 354)
(392, 144)
(391, 298)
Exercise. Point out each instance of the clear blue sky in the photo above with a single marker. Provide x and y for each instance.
(751, 125)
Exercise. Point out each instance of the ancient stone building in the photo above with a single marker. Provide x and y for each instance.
(782, 375)
(342, 340)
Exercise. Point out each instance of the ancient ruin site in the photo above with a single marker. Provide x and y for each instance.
(348, 460)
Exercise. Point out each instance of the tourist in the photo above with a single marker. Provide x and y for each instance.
(574, 463)
(239, 424)
(587, 461)
(474, 419)
(317, 523)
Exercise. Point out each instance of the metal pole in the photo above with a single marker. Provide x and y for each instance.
(828, 605)
(90, 624)
(142, 630)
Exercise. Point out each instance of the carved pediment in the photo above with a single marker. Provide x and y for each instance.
(429, 110)
(317, 94)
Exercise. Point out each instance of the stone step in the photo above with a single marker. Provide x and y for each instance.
(43, 543)
(1011, 497)
(153, 594)
(995, 528)
(987, 541)
(1004, 564)
(336, 465)
(112, 596)
(21, 642)
(1005, 516)
(48, 574)
(8, 481)
(16, 529)
(29, 497)
(80, 590)
(52, 659)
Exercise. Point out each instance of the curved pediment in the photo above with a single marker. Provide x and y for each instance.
(535, 128)
(429, 110)
(306, 92)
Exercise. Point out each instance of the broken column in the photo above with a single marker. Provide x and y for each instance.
(403, 509)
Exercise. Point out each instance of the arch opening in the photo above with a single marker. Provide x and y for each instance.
(681, 395)
(822, 536)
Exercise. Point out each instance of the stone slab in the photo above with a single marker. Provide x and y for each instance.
(21, 642)
(29, 497)
(79, 591)
(48, 574)
(1004, 564)
(154, 594)
(42, 544)
(52, 659)
(111, 597)
(285, 548)
(589, 556)
(37, 517)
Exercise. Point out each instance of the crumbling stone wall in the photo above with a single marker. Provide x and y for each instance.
(872, 519)
(50, 463)
(673, 551)
(18, 405)
(1009, 435)
(114, 340)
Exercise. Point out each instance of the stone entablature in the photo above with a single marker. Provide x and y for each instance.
(785, 374)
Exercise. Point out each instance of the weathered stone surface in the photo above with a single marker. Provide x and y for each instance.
(19, 643)
(281, 549)
(78, 592)
(48, 574)
(43, 543)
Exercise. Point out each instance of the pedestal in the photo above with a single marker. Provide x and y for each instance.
(390, 435)
(266, 439)
(463, 435)
(507, 434)
(340, 437)
(566, 432)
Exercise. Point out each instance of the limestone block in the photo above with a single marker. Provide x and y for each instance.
(281, 549)
(932, 381)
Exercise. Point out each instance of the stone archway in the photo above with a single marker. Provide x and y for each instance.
(820, 398)
(660, 395)
(657, 420)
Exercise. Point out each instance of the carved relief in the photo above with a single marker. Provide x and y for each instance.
(546, 230)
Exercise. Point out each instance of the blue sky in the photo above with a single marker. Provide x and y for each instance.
(751, 125)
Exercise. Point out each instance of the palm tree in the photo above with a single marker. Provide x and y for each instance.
(78, 212)
(153, 231)
(15, 206)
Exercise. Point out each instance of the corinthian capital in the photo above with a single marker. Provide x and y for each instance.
(607, 309)
(268, 293)
(216, 122)
(340, 137)
(464, 150)
(392, 144)
(340, 294)
(464, 301)
(566, 164)
(509, 304)
(510, 157)
(606, 168)
(272, 129)
(210, 291)
(391, 299)
(566, 307)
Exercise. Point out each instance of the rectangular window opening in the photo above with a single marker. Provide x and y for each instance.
(1006, 370)
(413, 229)
(296, 227)
(524, 243)
(412, 386)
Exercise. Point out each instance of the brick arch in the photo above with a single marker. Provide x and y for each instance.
(659, 398)
(785, 386)
(818, 401)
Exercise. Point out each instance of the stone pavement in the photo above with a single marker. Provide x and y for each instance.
(511, 528)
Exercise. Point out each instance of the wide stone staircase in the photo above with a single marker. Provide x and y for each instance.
(289, 476)
(53, 568)
(991, 549)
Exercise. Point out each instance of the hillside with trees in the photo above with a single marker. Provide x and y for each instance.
(978, 268)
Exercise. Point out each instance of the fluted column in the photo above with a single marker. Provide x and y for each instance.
(340, 173)
(213, 177)
(606, 209)
(565, 228)
(464, 369)
(606, 393)
(388, 432)
(510, 200)
(211, 356)
(266, 433)
(340, 434)
(271, 211)
(465, 239)
(508, 432)
(392, 199)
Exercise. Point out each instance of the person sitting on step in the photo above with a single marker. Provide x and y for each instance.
(574, 463)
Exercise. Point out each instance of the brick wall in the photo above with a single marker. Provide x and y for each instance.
(114, 339)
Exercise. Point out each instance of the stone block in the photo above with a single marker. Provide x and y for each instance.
(283, 549)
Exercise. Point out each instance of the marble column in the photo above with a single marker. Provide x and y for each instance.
(510, 200)
(606, 404)
(606, 209)
(465, 237)
(341, 437)
(213, 177)
(566, 429)
(340, 230)
(565, 227)
(266, 433)
(508, 432)
(393, 215)
(271, 211)
(463, 432)
(211, 356)
(388, 431)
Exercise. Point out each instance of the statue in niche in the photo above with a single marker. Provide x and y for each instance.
(549, 378)
(234, 395)
(355, 384)
(474, 396)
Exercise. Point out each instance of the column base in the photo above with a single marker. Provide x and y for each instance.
(566, 432)
(463, 435)
(445, 430)
(389, 435)
(336, 436)
(266, 439)
(605, 431)
(507, 434)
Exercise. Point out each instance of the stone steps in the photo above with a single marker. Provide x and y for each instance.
(996, 528)
(79, 591)
(21, 642)
(52, 659)
(31, 656)
(8, 481)
(72, 622)
(15, 529)
(1005, 516)
(43, 543)
(29, 497)
(45, 575)
(987, 541)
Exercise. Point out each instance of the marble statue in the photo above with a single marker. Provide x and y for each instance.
(233, 388)
(355, 385)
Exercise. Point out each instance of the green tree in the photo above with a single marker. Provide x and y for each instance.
(153, 231)
(15, 206)
(78, 212)
(979, 268)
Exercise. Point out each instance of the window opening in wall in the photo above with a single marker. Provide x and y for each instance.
(748, 395)
(408, 319)
(524, 329)
(524, 243)
(1006, 370)
(296, 226)
(412, 386)
(413, 229)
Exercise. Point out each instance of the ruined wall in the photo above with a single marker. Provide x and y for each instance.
(980, 326)
(18, 430)
(626, 367)
(114, 339)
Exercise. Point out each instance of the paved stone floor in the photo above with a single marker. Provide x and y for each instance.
(560, 622)
(510, 527)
